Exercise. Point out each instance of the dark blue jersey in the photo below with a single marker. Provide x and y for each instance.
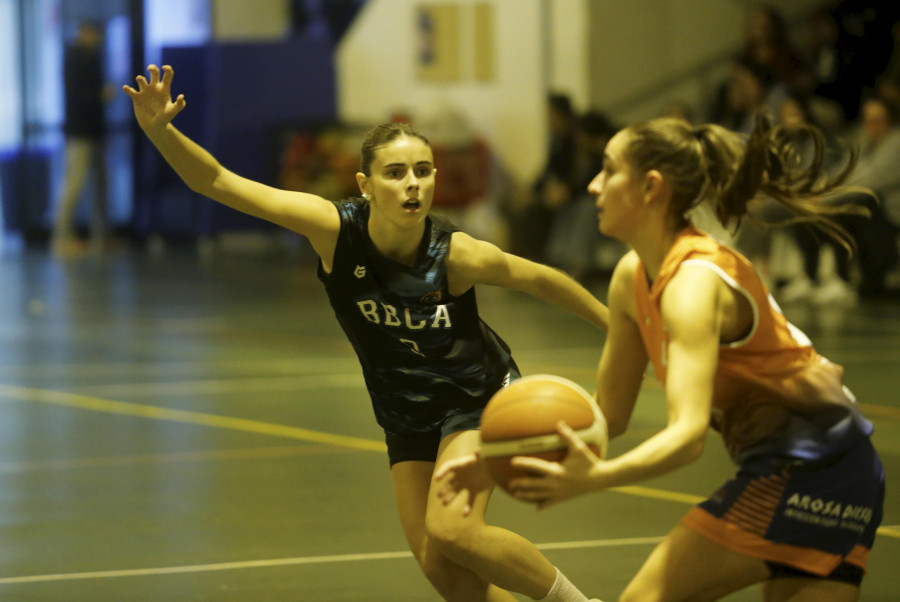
(425, 354)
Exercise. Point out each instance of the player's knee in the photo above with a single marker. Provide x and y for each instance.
(445, 534)
(451, 535)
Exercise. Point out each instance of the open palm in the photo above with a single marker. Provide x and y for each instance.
(153, 105)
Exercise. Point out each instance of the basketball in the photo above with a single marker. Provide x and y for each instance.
(521, 419)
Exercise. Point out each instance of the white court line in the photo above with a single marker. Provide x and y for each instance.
(252, 564)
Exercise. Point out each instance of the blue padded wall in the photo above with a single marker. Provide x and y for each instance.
(239, 96)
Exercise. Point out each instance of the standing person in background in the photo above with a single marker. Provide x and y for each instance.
(402, 285)
(552, 190)
(85, 129)
(727, 358)
(574, 240)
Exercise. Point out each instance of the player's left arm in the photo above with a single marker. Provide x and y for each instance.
(693, 310)
(471, 261)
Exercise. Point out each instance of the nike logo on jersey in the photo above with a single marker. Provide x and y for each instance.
(360, 271)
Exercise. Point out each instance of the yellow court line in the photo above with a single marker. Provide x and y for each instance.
(218, 386)
(659, 494)
(277, 430)
(186, 416)
(214, 455)
(870, 409)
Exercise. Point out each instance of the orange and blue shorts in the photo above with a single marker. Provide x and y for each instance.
(803, 520)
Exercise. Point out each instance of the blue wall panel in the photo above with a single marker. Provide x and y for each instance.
(239, 97)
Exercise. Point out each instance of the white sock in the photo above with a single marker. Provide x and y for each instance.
(563, 591)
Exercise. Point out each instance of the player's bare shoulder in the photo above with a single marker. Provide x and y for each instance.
(316, 218)
(623, 274)
(471, 261)
(621, 286)
(460, 257)
(463, 250)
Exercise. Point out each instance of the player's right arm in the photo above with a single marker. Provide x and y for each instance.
(307, 214)
(624, 359)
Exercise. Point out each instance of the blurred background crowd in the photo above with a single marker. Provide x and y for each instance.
(835, 64)
(844, 79)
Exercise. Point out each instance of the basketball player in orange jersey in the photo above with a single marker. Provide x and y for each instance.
(401, 283)
(802, 511)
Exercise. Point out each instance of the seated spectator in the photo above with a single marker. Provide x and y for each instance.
(768, 46)
(766, 66)
(850, 47)
(888, 84)
(749, 89)
(810, 285)
(879, 147)
(876, 236)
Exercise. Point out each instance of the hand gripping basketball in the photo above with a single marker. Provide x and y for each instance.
(522, 419)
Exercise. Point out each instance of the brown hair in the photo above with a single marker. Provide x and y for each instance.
(709, 162)
(382, 135)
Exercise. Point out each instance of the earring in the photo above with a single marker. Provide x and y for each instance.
(367, 196)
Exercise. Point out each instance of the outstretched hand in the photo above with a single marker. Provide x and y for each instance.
(153, 105)
(549, 483)
(456, 477)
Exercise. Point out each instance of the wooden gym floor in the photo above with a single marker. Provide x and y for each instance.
(181, 429)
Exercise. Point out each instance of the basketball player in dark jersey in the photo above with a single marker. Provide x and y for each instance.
(401, 284)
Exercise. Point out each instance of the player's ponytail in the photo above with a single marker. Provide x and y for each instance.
(771, 167)
(713, 164)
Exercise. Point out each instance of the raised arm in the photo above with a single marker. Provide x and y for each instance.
(307, 214)
(473, 261)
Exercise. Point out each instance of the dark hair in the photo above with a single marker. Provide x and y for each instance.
(777, 22)
(595, 123)
(760, 72)
(560, 103)
(709, 162)
(381, 135)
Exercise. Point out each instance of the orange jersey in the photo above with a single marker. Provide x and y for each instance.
(773, 393)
